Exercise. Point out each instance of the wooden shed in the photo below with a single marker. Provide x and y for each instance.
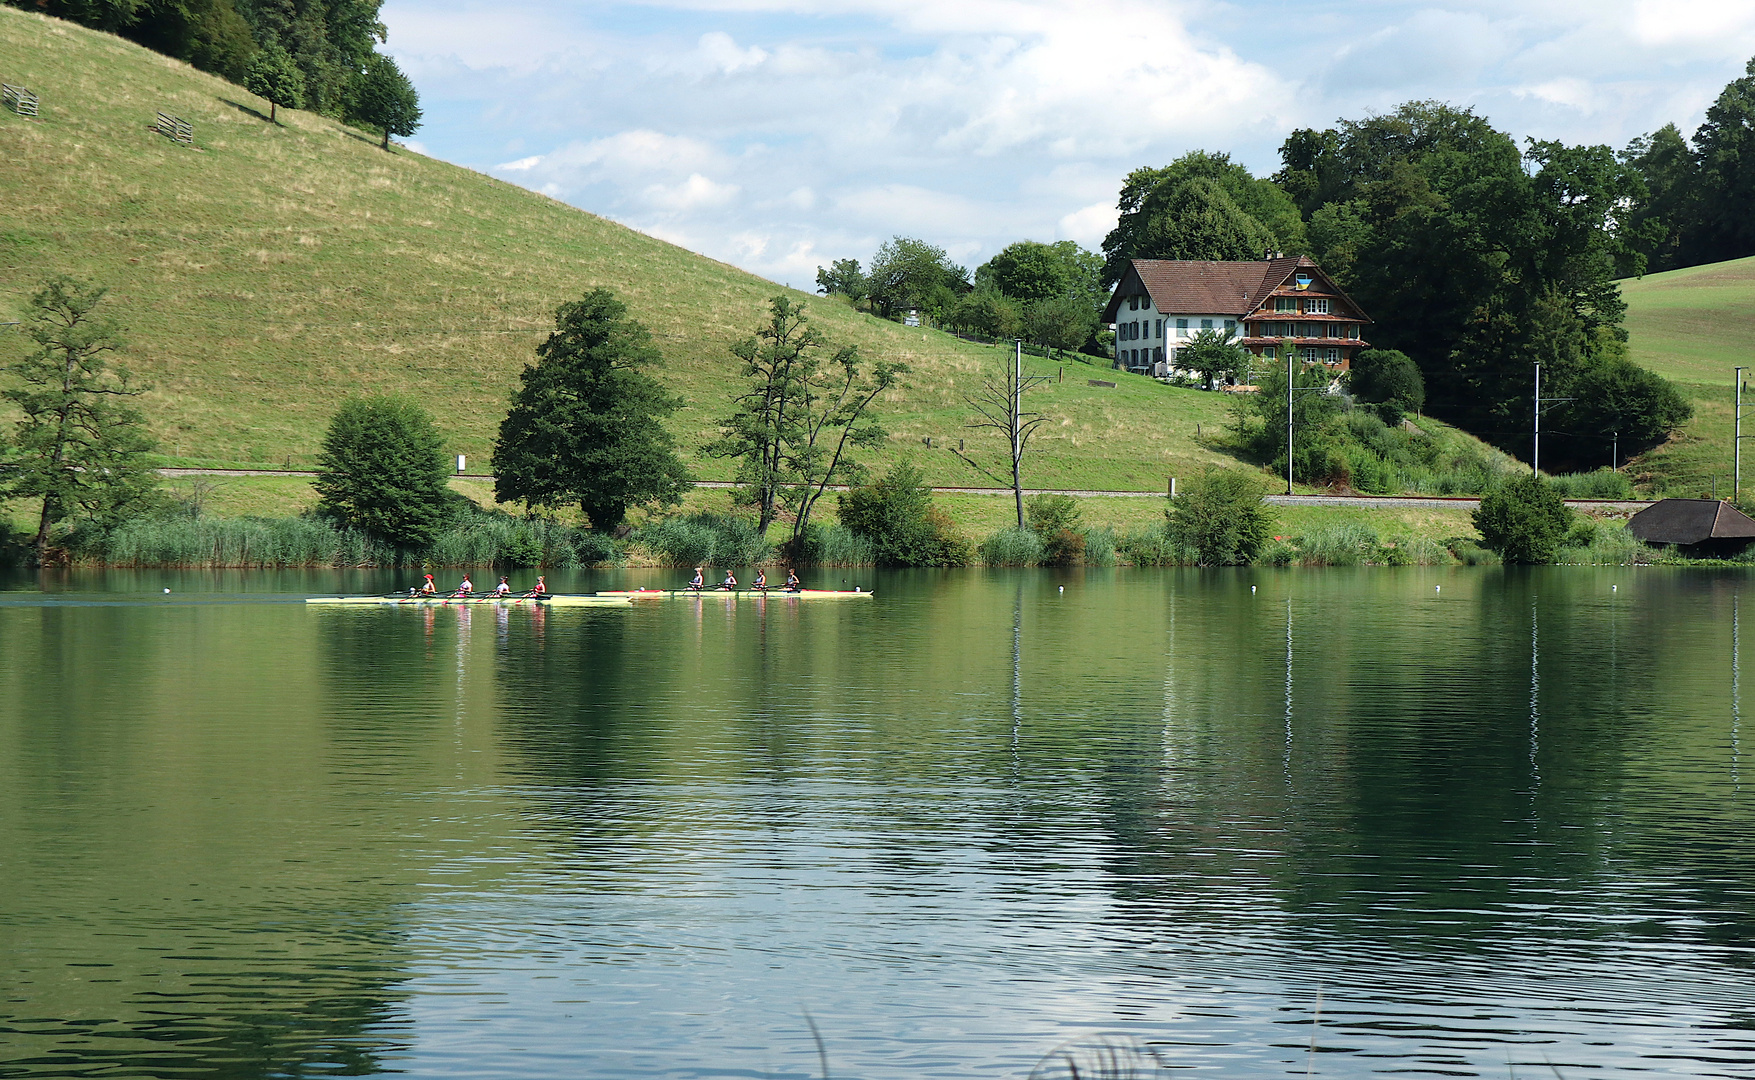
(1705, 526)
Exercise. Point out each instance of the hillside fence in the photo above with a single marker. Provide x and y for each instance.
(176, 129)
(21, 100)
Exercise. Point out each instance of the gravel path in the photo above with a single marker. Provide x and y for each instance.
(1391, 502)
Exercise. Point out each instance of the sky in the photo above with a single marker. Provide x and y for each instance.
(778, 135)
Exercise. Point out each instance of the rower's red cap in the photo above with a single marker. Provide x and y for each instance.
(429, 577)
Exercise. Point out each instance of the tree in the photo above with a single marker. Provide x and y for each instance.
(1059, 322)
(1221, 518)
(79, 447)
(586, 426)
(1615, 402)
(1666, 209)
(1000, 407)
(896, 514)
(842, 278)
(1213, 355)
(803, 414)
(1725, 149)
(988, 312)
(1056, 519)
(1028, 270)
(382, 469)
(1386, 375)
(905, 273)
(382, 97)
(1523, 520)
(210, 34)
(1147, 194)
(273, 76)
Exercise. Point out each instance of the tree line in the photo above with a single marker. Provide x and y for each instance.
(319, 55)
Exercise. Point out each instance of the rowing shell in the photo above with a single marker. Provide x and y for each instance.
(549, 600)
(750, 594)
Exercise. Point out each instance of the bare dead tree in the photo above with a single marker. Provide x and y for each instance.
(1001, 407)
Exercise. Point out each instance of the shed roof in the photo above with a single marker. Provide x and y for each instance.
(1691, 521)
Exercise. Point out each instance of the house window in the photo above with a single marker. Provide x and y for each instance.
(1285, 303)
(1133, 303)
(1352, 331)
(1334, 356)
(1206, 324)
(1181, 327)
(1146, 302)
(1230, 326)
(1334, 329)
(1303, 279)
(1158, 329)
(1268, 353)
(1316, 307)
(1157, 355)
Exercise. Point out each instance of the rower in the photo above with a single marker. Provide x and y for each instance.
(503, 588)
(428, 588)
(698, 584)
(792, 583)
(729, 583)
(540, 590)
(761, 582)
(466, 587)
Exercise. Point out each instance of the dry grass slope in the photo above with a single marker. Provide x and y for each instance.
(270, 271)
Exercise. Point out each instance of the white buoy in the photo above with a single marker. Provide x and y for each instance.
(1437, 588)
(1063, 588)
(1613, 588)
(167, 590)
(1252, 588)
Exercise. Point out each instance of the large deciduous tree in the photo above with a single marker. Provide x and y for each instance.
(586, 426)
(912, 274)
(1725, 150)
(382, 97)
(1213, 354)
(1225, 214)
(382, 469)
(274, 77)
(79, 447)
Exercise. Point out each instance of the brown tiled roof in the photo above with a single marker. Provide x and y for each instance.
(1690, 521)
(1223, 288)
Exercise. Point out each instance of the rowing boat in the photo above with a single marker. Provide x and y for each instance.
(748, 594)
(546, 600)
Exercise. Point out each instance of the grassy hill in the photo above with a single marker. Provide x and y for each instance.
(1692, 326)
(270, 271)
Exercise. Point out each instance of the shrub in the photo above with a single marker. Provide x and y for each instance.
(1469, 553)
(705, 540)
(1012, 546)
(1389, 376)
(1154, 547)
(1099, 545)
(1222, 519)
(895, 514)
(1523, 521)
(382, 470)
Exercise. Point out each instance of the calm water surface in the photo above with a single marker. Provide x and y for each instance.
(1427, 822)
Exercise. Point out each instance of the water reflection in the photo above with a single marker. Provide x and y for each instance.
(1490, 823)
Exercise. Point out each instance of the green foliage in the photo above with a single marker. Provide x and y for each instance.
(833, 545)
(910, 274)
(1523, 521)
(1725, 155)
(1389, 376)
(1154, 547)
(1055, 519)
(1226, 214)
(1029, 271)
(1477, 260)
(382, 97)
(842, 278)
(382, 470)
(897, 516)
(801, 417)
(587, 426)
(1260, 422)
(1604, 483)
(1668, 202)
(79, 447)
(274, 76)
(1012, 546)
(1059, 322)
(705, 540)
(988, 312)
(1222, 518)
(1213, 355)
(1613, 394)
(1100, 544)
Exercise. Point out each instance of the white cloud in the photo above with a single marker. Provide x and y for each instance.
(781, 133)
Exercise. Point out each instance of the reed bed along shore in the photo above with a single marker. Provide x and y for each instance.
(727, 540)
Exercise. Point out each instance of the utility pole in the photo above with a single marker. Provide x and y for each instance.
(1737, 443)
(1541, 403)
(1289, 351)
(1615, 454)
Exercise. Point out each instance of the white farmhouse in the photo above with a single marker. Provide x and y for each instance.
(1267, 306)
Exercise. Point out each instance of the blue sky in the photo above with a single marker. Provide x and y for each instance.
(780, 134)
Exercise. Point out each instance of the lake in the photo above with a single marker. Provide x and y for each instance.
(1339, 823)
